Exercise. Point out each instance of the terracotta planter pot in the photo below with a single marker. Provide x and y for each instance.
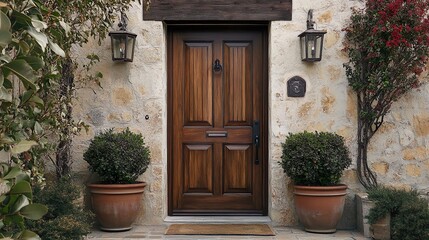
(116, 205)
(320, 208)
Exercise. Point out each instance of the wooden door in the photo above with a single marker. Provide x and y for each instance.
(217, 121)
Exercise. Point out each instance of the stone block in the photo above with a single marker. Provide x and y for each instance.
(306, 110)
(380, 167)
(406, 137)
(332, 37)
(334, 72)
(417, 153)
(413, 170)
(96, 117)
(381, 229)
(363, 205)
(122, 96)
(152, 55)
(421, 123)
(325, 17)
(328, 100)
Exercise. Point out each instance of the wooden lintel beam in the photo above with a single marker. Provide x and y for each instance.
(217, 10)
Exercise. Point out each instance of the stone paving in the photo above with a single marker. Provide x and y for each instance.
(282, 233)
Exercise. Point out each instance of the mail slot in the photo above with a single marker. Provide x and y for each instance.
(217, 134)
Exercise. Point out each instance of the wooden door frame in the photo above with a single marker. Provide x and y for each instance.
(260, 26)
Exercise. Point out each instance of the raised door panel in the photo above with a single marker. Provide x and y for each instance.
(198, 169)
(198, 95)
(238, 84)
(237, 169)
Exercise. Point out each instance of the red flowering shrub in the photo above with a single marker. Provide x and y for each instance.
(387, 43)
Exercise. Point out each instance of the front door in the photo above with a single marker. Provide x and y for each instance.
(217, 121)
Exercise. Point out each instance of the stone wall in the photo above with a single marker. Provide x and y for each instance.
(130, 91)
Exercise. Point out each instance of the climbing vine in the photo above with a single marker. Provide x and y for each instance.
(387, 43)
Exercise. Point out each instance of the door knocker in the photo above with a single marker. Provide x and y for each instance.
(217, 67)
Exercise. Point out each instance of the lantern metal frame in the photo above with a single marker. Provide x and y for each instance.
(311, 41)
(122, 42)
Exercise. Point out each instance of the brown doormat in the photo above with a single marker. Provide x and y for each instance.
(220, 229)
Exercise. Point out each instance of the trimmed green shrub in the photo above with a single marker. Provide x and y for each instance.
(65, 219)
(409, 213)
(315, 158)
(118, 157)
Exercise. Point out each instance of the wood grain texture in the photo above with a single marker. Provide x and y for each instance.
(238, 83)
(198, 161)
(198, 84)
(224, 10)
(211, 150)
(237, 169)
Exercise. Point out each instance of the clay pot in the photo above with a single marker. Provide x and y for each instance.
(319, 208)
(116, 205)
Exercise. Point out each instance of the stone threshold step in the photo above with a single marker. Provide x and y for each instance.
(217, 219)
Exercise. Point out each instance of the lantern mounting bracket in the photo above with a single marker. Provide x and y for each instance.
(123, 23)
(310, 22)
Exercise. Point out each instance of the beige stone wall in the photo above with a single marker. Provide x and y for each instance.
(131, 91)
(328, 104)
(400, 152)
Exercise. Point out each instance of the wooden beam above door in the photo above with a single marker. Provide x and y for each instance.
(215, 10)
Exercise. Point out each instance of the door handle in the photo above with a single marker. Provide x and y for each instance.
(256, 140)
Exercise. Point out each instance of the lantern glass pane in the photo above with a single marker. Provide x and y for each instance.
(119, 45)
(130, 47)
(303, 49)
(311, 47)
(318, 46)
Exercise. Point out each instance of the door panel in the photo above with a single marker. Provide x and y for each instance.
(198, 166)
(198, 84)
(212, 167)
(238, 84)
(237, 169)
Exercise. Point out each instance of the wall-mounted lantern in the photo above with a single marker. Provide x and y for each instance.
(123, 42)
(311, 41)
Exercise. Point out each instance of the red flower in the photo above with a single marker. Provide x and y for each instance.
(383, 15)
(418, 70)
(393, 7)
(407, 28)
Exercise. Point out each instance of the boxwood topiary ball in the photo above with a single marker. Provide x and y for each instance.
(118, 157)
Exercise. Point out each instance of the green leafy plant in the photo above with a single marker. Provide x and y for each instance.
(16, 203)
(388, 48)
(24, 43)
(118, 157)
(74, 23)
(65, 219)
(314, 158)
(409, 213)
(38, 74)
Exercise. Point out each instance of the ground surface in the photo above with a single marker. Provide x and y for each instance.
(282, 233)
